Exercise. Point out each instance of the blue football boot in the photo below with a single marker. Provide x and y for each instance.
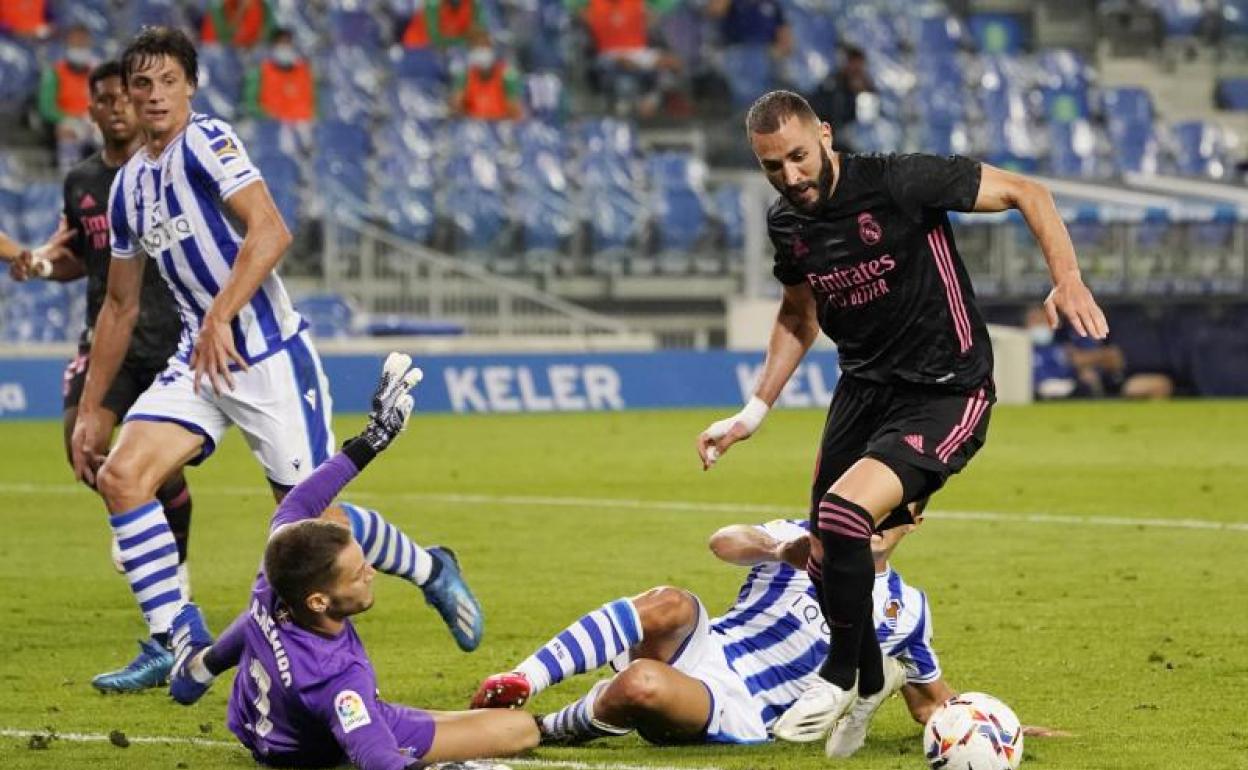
(190, 636)
(451, 597)
(150, 669)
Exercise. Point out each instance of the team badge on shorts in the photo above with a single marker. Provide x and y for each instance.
(868, 229)
(352, 713)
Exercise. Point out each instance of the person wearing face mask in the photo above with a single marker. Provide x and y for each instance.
(1052, 375)
(488, 88)
(240, 23)
(281, 87)
(64, 98)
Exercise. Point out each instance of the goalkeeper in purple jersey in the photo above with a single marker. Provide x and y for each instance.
(306, 693)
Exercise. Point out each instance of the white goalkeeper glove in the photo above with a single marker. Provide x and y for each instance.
(392, 401)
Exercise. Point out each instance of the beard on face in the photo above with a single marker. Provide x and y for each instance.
(823, 184)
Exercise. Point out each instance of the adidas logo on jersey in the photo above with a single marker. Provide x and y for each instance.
(915, 441)
(87, 202)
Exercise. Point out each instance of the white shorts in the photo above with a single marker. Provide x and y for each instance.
(736, 716)
(281, 404)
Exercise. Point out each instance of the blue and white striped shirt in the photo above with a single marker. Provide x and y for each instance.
(774, 636)
(172, 208)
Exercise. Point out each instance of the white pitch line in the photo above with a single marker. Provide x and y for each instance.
(567, 764)
(690, 506)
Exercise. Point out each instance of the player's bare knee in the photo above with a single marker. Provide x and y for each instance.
(121, 480)
(640, 686)
(664, 610)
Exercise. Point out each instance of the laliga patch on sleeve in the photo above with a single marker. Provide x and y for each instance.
(225, 148)
(349, 707)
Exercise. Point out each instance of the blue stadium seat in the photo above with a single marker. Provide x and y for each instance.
(747, 68)
(92, 14)
(10, 214)
(1127, 105)
(342, 139)
(1232, 94)
(404, 140)
(608, 135)
(1200, 149)
(220, 91)
(152, 12)
(545, 220)
(872, 30)
(281, 174)
(939, 33)
(36, 311)
(421, 65)
(680, 218)
(409, 210)
(815, 43)
(328, 315)
(42, 203)
(1180, 18)
(351, 28)
(19, 73)
(727, 202)
(998, 32)
(479, 213)
(1073, 150)
(543, 97)
(615, 222)
(420, 99)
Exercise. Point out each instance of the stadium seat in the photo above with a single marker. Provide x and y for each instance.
(406, 201)
(1073, 150)
(404, 140)
(328, 315)
(1180, 18)
(543, 97)
(1200, 149)
(19, 74)
(42, 203)
(352, 28)
(220, 91)
(615, 223)
(727, 209)
(545, 221)
(421, 65)
(998, 32)
(92, 14)
(747, 68)
(1232, 94)
(152, 13)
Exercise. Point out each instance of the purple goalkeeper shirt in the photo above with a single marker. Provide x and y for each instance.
(305, 699)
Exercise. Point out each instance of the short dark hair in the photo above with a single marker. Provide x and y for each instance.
(285, 32)
(300, 559)
(103, 71)
(773, 108)
(152, 43)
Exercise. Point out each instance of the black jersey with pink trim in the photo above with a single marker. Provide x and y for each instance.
(890, 287)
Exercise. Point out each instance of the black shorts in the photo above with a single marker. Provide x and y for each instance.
(924, 435)
(131, 380)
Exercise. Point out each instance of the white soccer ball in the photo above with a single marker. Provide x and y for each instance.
(973, 731)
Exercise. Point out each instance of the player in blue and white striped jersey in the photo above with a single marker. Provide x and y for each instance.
(192, 202)
(686, 677)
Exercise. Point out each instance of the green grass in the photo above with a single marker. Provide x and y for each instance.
(1132, 638)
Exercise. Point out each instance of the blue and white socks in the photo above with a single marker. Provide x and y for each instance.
(149, 556)
(387, 548)
(592, 641)
(575, 723)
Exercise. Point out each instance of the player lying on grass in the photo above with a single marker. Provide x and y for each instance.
(683, 677)
(306, 693)
(686, 677)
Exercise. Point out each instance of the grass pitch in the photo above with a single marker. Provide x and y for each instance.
(1085, 599)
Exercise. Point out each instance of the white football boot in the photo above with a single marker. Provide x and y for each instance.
(813, 715)
(851, 732)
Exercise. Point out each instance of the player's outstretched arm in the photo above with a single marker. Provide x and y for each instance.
(795, 330)
(391, 408)
(113, 328)
(1070, 298)
(746, 545)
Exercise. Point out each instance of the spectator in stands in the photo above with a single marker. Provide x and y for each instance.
(240, 23)
(25, 18)
(281, 86)
(488, 88)
(64, 97)
(753, 22)
(836, 98)
(631, 72)
(1083, 367)
(444, 23)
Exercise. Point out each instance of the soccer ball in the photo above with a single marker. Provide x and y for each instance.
(973, 731)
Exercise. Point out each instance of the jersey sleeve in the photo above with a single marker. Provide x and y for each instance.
(786, 529)
(782, 229)
(348, 705)
(216, 155)
(313, 494)
(78, 244)
(120, 227)
(919, 181)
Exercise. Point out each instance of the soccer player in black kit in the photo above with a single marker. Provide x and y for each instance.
(158, 327)
(865, 252)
